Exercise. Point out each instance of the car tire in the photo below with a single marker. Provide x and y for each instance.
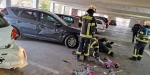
(18, 33)
(71, 41)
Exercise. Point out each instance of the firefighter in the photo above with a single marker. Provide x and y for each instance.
(141, 41)
(105, 46)
(135, 30)
(87, 23)
(94, 46)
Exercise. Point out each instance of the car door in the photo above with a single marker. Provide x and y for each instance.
(47, 29)
(28, 23)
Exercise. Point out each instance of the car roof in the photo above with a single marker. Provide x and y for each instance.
(66, 15)
(63, 14)
(34, 9)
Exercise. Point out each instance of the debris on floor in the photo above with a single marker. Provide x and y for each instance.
(66, 61)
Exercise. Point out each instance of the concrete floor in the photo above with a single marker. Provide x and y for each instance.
(47, 58)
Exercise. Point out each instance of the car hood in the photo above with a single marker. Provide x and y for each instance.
(73, 29)
(5, 35)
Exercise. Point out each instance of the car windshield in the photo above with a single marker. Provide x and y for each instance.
(62, 21)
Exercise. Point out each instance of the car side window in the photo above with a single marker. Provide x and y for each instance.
(47, 19)
(99, 22)
(68, 19)
(17, 11)
(29, 14)
(4, 11)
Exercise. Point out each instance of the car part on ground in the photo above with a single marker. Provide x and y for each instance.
(39, 24)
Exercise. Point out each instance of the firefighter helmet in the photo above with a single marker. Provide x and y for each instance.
(92, 7)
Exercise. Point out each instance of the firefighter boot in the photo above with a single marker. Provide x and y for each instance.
(139, 58)
(111, 54)
(85, 58)
(133, 58)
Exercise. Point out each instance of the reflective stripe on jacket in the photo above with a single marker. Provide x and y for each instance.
(94, 43)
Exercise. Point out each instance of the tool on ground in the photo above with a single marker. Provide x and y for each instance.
(111, 63)
(112, 72)
(86, 71)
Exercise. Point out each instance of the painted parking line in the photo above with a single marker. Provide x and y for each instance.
(43, 67)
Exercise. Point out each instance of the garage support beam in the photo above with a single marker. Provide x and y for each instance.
(6, 3)
(52, 7)
(70, 11)
(63, 9)
(35, 4)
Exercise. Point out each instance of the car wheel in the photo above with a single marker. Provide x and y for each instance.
(71, 41)
(17, 33)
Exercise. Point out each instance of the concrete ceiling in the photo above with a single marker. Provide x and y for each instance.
(120, 8)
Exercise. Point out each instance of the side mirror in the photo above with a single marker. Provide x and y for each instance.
(57, 24)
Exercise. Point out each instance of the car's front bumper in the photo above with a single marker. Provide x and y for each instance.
(100, 30)
(13, 57)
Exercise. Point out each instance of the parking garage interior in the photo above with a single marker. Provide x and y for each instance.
(53, 58)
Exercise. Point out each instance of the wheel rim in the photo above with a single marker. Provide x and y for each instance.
(72, 42)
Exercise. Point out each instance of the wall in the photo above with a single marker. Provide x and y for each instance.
(133, 21)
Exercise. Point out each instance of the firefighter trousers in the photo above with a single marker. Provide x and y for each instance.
(134, 35)
(139, 50)
(104, 48)
(84, 46)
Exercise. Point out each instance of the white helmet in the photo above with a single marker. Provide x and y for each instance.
(92, 7)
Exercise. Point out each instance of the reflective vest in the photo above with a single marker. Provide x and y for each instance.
(147, 32)
(143, 35)
(88, 26)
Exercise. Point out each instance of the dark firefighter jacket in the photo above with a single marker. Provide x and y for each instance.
(88, 26)
(142, 35)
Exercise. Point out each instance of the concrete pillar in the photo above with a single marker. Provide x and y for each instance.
(70, 11)
(35, 4)
(52, 7)
(63, 9)
(6, 3)
(74, 12)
